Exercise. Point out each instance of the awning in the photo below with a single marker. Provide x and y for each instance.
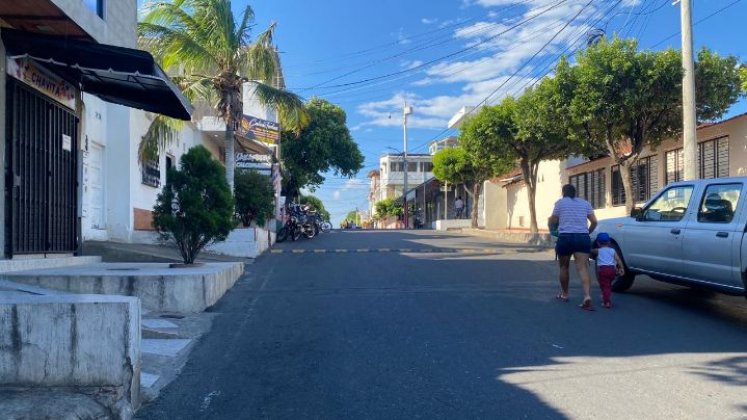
(119, 75)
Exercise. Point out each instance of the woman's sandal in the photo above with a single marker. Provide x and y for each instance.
(561, 298)
(586, 305)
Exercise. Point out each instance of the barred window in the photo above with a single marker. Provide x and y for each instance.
(674, 165)
(591, 187)
(713, 158)
(645, 181)
(151, 173)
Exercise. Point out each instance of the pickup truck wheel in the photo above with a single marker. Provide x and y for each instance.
(622, 283)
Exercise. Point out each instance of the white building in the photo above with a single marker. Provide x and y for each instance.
(96, 188)
(392, 173)
(70, 154)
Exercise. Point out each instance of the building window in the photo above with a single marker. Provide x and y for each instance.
(645, 181)
(674, 165)
(427, 167)
(151, 173)
(591, 187)
(96, 6)
(713, 158)
(412, 166)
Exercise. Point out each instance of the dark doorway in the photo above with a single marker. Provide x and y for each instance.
(41, 174)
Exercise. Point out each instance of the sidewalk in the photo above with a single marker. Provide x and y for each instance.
(541, 239)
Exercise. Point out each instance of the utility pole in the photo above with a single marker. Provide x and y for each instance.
(689, 134)
(446, 200)
(405, 112)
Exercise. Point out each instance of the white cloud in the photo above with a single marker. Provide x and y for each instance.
(497, 52)
(402, 38)
(407, 64)
(427, 21)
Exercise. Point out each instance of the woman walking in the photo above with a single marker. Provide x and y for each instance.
(571, 215)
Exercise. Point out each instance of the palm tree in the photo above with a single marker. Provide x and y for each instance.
(212, 56)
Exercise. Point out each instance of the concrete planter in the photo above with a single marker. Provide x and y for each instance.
(244, 242)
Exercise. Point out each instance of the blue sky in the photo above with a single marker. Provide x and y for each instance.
(368, 56)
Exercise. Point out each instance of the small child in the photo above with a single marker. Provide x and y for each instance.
(608, 265)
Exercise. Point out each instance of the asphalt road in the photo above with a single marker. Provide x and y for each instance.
(393, 335)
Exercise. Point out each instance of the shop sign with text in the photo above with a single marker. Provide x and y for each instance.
(254, 128)
(253, 161)
(42, 80)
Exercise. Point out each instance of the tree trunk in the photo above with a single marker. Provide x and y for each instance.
(529, 173)
(230, 155)
(627, 179)
(476, 190)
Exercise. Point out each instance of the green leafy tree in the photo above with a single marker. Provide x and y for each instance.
(743, 76)
(481, 139)
(324, 145)
(622, 99)
(255, 197)
(316, 204)
(540, 133)
(211, 54)
(353, 217)
(195, 206)
(452, 165)
(388, 208)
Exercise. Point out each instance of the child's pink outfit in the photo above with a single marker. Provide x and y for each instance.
(606, 272)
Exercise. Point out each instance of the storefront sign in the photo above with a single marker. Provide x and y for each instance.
(42, 80)
(254, 161)
(258, 129)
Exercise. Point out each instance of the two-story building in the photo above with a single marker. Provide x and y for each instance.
(77, 94)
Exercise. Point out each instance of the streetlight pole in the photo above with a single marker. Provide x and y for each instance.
(405, 112)
(689, 134)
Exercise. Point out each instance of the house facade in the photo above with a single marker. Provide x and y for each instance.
(722, 151)
(77, 94)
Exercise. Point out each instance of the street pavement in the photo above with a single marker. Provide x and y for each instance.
(470, 333)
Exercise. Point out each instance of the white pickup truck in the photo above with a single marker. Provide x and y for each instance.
(690, 233)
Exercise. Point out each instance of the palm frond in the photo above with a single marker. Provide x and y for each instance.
(242, 32)
(258, 61)
(173, 15)
(292, 112)
(174, 48)
(161, 132)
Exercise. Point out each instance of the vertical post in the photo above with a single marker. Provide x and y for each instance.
(689, 134)
(405, 112)
(446, 200)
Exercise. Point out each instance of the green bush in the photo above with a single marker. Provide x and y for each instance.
(388, 207)
(195, 207)
(255, 197)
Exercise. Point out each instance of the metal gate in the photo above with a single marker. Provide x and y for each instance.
(41, 174)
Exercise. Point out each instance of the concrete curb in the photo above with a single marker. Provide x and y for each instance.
(542, 240)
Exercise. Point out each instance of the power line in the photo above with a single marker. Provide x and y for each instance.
(428, 63)
(698, 22)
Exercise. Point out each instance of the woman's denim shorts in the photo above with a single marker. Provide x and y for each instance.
(570, 243)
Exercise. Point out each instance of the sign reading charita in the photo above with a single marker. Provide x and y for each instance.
(42, 80)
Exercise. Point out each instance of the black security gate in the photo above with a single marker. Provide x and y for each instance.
(41, 174)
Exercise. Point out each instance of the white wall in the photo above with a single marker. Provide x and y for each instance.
(549, 182)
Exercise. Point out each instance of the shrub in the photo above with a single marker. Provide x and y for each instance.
(255, 197)
(195, 207)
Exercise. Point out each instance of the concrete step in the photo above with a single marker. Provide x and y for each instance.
(167, 339)
(169, 347)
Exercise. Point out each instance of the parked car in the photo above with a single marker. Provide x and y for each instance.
(690, 233)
